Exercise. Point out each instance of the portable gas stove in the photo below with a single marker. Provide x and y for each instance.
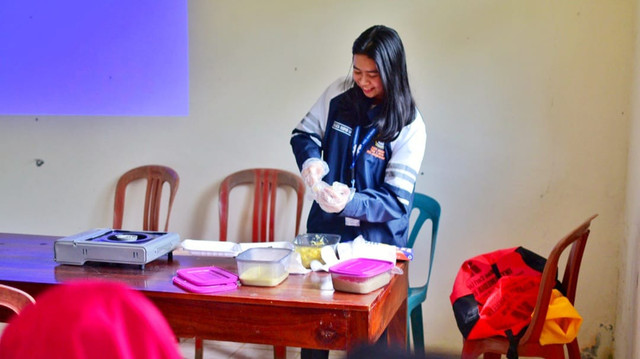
(115, 246)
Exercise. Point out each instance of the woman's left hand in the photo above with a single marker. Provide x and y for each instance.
(333, 199)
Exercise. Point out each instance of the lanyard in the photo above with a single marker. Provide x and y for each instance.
(356, 150)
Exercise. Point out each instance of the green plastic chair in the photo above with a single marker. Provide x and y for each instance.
(428, 209)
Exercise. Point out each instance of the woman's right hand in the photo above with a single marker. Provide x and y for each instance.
(313, 170)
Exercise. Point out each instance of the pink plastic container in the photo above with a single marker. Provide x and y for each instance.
(205, 280)
(207, 275)
(360, 275)
(203, 289)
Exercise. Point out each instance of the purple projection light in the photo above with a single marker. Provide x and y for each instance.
(98, 57)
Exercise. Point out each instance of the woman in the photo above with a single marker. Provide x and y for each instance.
(361, 145)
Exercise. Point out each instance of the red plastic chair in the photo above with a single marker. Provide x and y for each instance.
(156, 177)
(529, 345)
(266, 182)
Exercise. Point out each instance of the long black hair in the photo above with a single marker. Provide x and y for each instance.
(384, 46)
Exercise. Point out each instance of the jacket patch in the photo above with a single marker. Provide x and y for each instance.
(377, 150)
(337, 126)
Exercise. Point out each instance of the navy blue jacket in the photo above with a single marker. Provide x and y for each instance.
(385, 173)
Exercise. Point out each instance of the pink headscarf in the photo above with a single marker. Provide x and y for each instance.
(89, 320)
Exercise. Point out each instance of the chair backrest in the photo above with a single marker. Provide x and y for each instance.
(156, 177)
(14, 298)
(266, 182)
(428, 209)
(576, 240)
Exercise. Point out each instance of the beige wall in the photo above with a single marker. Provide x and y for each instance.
(627, 322)
(527, 105)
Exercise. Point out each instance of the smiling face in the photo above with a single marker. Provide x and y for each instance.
(367, 77)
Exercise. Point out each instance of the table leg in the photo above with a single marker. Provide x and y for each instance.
(279, 352)
(396, 332)
(199, 349)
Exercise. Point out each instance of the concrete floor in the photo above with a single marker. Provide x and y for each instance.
(229, 350)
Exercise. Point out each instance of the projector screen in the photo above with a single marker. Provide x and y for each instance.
(94, 57)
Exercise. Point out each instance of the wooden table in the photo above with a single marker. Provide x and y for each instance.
(303, 311)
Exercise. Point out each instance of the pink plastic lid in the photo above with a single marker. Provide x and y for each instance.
(203, 289)
(361, 267)
(207, 276)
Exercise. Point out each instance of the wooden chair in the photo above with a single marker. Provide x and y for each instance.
(428, 209)
(266, 182)
(156, 177)
(14, 298)
(529, 345)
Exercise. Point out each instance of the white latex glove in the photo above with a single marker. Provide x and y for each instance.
(333, 199)
(313, 169)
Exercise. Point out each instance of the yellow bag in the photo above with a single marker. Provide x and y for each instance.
(562, 323)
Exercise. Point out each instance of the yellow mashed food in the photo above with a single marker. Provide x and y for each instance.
(308, 254)
(263, 277)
